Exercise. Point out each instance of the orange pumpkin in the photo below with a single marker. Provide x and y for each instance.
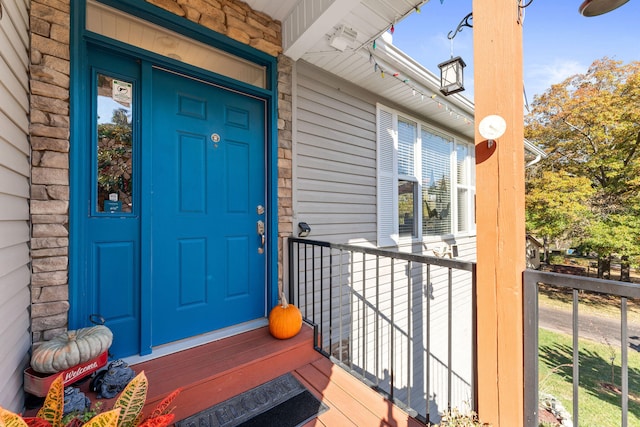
(285, 320)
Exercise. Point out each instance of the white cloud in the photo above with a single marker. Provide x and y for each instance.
(541, 76)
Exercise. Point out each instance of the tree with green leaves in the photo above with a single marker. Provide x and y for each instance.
(590, 127)
(557, 207)
(115, 151)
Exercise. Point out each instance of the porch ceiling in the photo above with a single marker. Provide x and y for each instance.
(308, 26)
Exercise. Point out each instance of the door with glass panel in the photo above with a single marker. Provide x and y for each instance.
(109, 252)
(173, 237)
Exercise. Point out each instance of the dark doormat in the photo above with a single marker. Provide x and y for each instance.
(281, 402)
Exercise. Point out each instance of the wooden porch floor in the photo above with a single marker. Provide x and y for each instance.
(212, 373)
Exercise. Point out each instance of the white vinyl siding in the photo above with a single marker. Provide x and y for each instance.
(14, 203)
(335, 161)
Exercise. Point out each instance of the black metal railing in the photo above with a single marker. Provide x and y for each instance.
(579, 288)
(403, 323)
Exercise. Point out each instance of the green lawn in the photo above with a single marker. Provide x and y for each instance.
(599, 406)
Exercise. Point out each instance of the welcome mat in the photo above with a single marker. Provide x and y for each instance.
(281, 402)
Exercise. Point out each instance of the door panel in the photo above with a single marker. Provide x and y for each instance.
(207, 169)
(110, 284)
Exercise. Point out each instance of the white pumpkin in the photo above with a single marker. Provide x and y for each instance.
(71, 348)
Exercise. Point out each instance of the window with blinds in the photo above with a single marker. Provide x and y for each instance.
(436, 183)
(465, 182)
(407, 136)
(425, 180)
(407, 180)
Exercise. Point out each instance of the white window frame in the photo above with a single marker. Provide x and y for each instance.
(387, 180)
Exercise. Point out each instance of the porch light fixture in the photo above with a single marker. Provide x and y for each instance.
(343, 38)
(303, 229)
(598, 7)
(451, 71)
(452, 76)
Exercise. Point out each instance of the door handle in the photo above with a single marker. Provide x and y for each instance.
(260, 230)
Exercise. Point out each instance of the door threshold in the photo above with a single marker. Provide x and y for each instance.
(198, 340)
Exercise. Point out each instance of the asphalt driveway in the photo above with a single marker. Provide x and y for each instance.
(596, 328)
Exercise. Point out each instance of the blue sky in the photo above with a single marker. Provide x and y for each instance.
(558, 42)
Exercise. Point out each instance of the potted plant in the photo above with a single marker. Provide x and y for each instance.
(126, 412)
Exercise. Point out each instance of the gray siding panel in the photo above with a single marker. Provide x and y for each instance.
(14, 204)
(335, 186)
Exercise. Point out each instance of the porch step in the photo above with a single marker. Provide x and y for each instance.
(211, 373)
(214, 372)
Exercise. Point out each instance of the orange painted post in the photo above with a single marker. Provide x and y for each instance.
(498, 77)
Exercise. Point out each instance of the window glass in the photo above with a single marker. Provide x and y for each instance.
(407, 135)
(464, 180)
(114, 145)
(463, 209)
(462, 151)
(436, 183)
(406, 208)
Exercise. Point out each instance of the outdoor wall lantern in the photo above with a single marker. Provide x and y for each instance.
(452, 76)
(599, 7)
(452, 71)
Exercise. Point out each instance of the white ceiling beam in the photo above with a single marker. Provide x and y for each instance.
(311, 20)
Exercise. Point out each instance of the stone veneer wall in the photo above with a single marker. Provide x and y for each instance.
(50, 130)
(49, 167)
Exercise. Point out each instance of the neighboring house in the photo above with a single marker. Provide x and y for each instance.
(169, 140)
(534, 246)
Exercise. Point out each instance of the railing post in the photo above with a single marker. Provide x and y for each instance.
(410, 354)
(530, 313)
(624, 374)
(291, 270)
(576, 358)
(449, 336)
(377, 327)
(474, 337)
(428, 346)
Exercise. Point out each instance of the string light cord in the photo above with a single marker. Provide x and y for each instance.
(385, 71)
(371, 40)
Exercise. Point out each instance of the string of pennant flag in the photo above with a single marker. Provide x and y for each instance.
(415, 90)
(432, 97)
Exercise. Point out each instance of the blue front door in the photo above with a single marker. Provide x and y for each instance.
(171, 195)
(207, 171)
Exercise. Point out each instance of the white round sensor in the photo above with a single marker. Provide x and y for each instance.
(492, 127)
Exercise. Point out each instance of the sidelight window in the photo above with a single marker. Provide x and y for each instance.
(114, 151)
